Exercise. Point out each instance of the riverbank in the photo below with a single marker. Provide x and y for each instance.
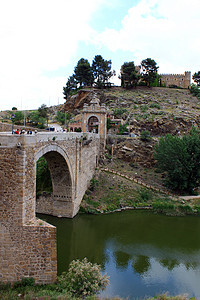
(54, 291)
(119, 187)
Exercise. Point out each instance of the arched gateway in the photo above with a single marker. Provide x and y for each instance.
(28, 245)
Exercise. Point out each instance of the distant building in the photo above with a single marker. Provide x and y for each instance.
(168, 80)
(115, 124)
(179, 80)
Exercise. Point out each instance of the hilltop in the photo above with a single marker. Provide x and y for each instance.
(159, 110)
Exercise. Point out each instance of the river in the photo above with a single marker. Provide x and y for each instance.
(143, 253)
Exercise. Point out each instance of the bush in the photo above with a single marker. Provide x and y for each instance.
(161, 206)
(145, 194)
(145, 136)
(118, 112)
(122, 129)
(195, 90)
(26, 281)
(83, 278)
(155, 105)
(93, 183)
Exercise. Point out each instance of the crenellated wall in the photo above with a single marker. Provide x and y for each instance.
(180, 80)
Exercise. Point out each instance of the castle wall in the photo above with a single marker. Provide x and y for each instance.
(180, 80)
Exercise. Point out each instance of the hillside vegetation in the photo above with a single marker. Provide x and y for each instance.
(160, 111)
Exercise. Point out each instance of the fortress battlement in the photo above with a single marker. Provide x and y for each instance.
(179, 80)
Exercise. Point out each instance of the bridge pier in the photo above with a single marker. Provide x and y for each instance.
(27, 244)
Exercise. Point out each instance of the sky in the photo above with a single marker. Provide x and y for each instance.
(41, 42)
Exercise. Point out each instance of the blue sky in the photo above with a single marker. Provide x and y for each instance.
(42, 41)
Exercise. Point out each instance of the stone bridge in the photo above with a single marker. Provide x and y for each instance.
(27, 244)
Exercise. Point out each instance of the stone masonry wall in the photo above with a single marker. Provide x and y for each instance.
(28, 251)
(6, 127)
(28, 245)
(180, 80)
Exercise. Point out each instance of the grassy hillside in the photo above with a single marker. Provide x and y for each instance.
(160, 110)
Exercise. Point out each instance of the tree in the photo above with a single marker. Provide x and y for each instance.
(71, 85)
(60, 117)
(102, 70)
(83, 73)
(149, 71)
(195, 90)
(129, 75)
(19, 117)
(196, 78)
(44, 112)
(179, 157)
(35, 119)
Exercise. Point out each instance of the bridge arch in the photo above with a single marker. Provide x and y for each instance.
(61, 201)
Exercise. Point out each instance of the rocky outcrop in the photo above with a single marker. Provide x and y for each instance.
(132, 150)
(77, 101)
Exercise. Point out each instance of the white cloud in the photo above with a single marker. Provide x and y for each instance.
(40, 36)
(36, 37)
(165, 30)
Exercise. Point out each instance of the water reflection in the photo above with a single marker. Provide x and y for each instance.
(144, 254)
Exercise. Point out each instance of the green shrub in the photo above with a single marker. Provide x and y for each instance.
(145, 194)
(27, 281)
(185, 208)
(155, 105)
(162, 206)
(145, 136)
(144, 108)
(195, 90)
(83, 278)
(93, 183)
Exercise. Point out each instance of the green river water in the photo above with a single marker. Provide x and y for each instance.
(143, 253)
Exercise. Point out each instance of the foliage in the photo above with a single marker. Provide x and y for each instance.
(118, 112)
(167, 297)
(155, 105)
(19, 117)
(60, 117)
(129, 75)
(29, 281)
(101, 70)
(157, 81)
(195, 90)
(83, 278)
(196, 78)
(43, 111)
(122, 129)
(109, 124)
(179, 157)
(145, 136)
(14, 108)
(93, 183)
(83, 73)
(162, 206)
(145, 194)
(35, 119)
(71, 85)
(149, 71)
(43, 177)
